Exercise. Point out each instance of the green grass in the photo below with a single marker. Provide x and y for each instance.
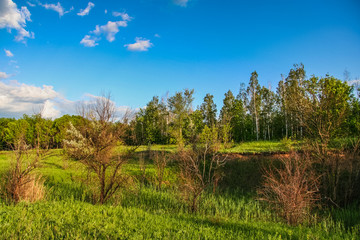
(241, 148)
(142, 212)
(257, 147)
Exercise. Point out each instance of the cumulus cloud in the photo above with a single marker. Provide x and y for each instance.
(140, 45)
(86, 10)
(49, 110)
(57, 8)
(17, 99)
(13, 18)
(123, 15)
(182, 3)
(8, 53)
(3, 75)
(89, 41)
(109, 30)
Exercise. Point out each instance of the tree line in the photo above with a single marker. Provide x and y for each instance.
(300, 107)
(256, 112)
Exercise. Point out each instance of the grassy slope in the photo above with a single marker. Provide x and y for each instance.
(146, 213)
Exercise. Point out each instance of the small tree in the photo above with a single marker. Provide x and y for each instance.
(94, 144)
(200, 168)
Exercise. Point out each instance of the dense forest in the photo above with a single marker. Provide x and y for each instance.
(301, 107)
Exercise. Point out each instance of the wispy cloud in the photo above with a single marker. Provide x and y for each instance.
(3, 75)
(8, 53)
(57, 8)
(13, 18)
(86, 11)
(123, 15)
(31, 4)
(140, 45)
(182, 3)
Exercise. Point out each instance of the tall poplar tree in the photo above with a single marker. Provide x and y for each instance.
(255, 100)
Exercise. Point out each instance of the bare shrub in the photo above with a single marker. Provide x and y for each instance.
(291, 189)
(94, 143)
(199, 169)
(19, 183)
(161, 160)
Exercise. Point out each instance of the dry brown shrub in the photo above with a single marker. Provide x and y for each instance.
(200, 168)
(161, 160)
(32, 189)
(292, 188)
(19, 182)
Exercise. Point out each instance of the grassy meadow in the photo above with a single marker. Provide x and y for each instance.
(142, 212)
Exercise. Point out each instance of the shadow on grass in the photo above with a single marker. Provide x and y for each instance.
(248, 229)
(349, 216)
(150, 199)
(64, 191)
(244, 174)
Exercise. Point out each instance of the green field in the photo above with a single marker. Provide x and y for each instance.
(142, 212)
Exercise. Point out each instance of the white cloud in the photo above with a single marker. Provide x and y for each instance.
(13, 18)
(123, 15)
(140, 45)
(17, 99)
(49, 110)
(110, 29)
(8, 53)
(3, 75)
(30, 4)
(57, 8)
(182, 3)
(157, 35)
(89, 41)
(86, 10)
(105, 11)
(355, 82)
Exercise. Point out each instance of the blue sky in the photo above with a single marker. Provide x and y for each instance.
(140, 48)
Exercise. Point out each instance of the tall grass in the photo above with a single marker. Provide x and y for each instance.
(146, 213)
